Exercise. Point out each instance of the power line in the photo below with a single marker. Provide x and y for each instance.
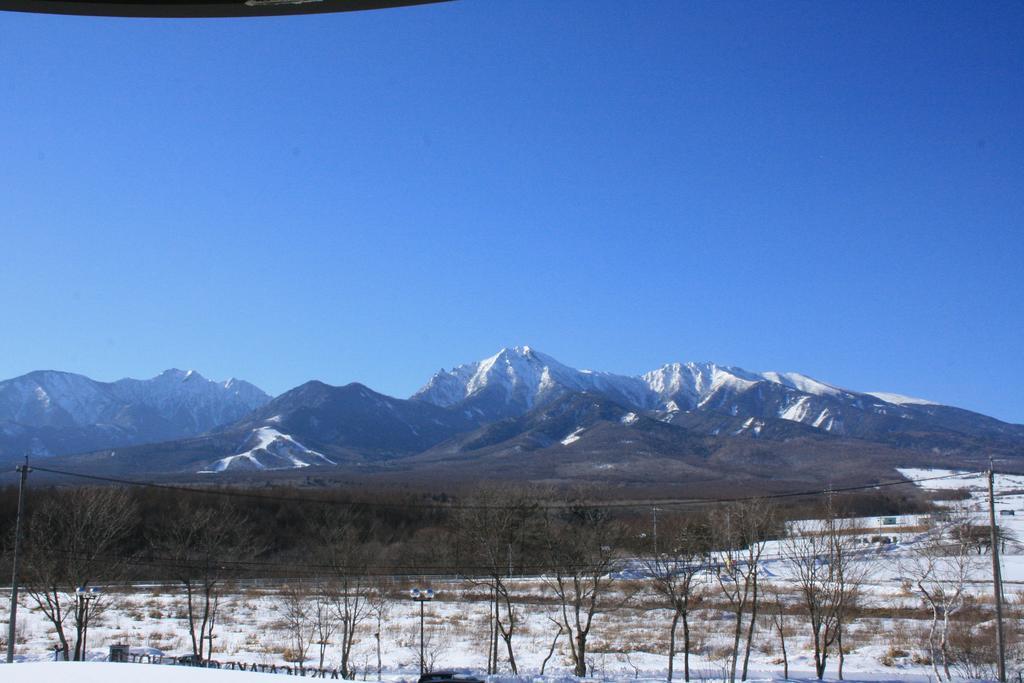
(697, 502)
(417, 568)
(308, 569)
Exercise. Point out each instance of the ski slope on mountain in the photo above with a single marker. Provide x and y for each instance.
(269, 449)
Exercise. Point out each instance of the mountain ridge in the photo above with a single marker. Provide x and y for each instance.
(517, 413)
(50, 411)
(516, 379)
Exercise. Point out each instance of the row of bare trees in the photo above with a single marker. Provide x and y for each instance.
(573, 546)
(72, 546)
(76, 540)
(576, 548)
(829, 565)
(717, 556)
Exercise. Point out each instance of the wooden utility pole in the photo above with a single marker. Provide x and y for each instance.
(24, 470)
(997, 580)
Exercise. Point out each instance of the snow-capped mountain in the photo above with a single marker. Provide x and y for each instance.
(192, 401)
(519, 414)
(517, 379)
(684, 386)
(50, 412)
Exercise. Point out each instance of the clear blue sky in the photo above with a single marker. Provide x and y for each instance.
(833, 188)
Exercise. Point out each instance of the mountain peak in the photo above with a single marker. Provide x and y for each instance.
(524, 352)
(517, 378)
(175, 374)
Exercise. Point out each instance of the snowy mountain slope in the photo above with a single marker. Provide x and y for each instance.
(900, 400)
(516, 402)
(50, 412)
(358, 418)
(577, 423)
(584, 438)
(269, 449)
(49, 398)
(517, 379)
(192, 401)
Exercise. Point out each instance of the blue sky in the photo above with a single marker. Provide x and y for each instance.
(833, 188)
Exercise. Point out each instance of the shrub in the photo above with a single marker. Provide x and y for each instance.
(973, 651)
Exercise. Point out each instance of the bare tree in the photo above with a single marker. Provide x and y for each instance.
(202, 547)
(939, 567)
(740, 531)
(777, 605)
(677, 575)
(298, 617)
(493, 530)
(581, 544)
(73, 541)
(348, 556)
(325, 619)
(979, 536)
(436, 642)
(379, 603)
(824, 556)
(853, 568)
(554, 643)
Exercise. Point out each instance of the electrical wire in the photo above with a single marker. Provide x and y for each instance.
(623, 504)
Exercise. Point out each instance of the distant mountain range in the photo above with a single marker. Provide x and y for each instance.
(518, 414)
(47, 413)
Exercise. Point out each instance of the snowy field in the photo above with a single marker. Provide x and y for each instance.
(629, 642)
(103, 672)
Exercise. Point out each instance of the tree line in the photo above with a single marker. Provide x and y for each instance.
(346, 554)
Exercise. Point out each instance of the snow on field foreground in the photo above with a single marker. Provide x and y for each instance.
(106, 672)
(628, 643)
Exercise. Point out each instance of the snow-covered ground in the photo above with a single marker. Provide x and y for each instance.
(105, 672)
(629, 642)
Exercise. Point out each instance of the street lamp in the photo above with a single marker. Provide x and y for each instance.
(85, 596)
(421, 596)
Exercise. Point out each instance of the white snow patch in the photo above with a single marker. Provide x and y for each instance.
(808, 385)
(900, 399)
(272, 450)
(797, 411)
(752, 424)
(572, 438)
(109, 672)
